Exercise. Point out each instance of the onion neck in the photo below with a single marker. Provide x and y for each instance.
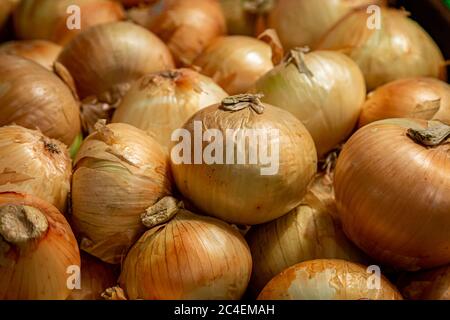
(161, 212)
(430, 137)
(258, 7)
(243, 101)
(296, 57)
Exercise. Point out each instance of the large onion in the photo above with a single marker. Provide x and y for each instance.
(400, 48)
(249, 191)
(119, 171)
(422, 98)
(427, 285)
(188, 257)
(48, 19)
(34, 97)
(164, 101)
(391, 182)
(37, 250)
(315, 88)
(33, 164)
(328, 280)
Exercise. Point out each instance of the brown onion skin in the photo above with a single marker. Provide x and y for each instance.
(431, 284)
(391, 194)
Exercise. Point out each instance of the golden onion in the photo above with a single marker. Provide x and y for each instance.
(391, 183)
(187, 257)
(432, 284)
(119, 171)
(37, 250)
(329, 279)
(397, 48)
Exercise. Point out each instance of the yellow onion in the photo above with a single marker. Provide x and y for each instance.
(37, 250)
(34, 97)
(427, 285)
(188, 257)
(325, 90)
(96, 277)
(33, 164)
(391, 183)
(400, 48)
(105, 59)
(328, 279)
(6, 8)
(164, 101)
(52, 20)
(119, 171)
(421, 98)
(253, 190)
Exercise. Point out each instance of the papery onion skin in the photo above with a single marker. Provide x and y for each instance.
(322, 100)
(34, 97)
(191, 257)
(391, 194)
(38, 268)
(33, 164)
(399, 49)
(420, 98)
(162, 102)
(48, 19)
(235, 62)
(119, 171)
(327, 279)
(431, 284)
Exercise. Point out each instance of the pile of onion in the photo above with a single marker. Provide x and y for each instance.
(162, 102)
(325, 90)
(397, 48)
(37, 249)
(426, 285)
(186, 256)
(328, 279)
(391, 183)
(34, 97)
(119, 171)
(243, 185)
(33, 164)
(421, 98)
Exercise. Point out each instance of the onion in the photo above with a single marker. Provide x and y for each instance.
(119, 171)
(249, 191)
(327, 279)
(33, 97)
(427, 285)
(399, 49)
(386, 177)
(422, 98)
(48, 19)
(164, 101)
(188, 257)
(315, 88)
(33, 164)
(6, 8)
(105, 59)
(37, 249)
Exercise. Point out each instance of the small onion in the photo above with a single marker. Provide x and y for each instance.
(34, 97)
(422, 98)
(328, 279)
(400, 48)
(119, 171)
(391, 183)
(51, 20)
(315, 88)
(162, 102)
(427, 285)
(37, 250)
(33, 164)
(249, 191)
(188, 257)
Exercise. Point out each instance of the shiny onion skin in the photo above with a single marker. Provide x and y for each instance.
(119, 171)
(162, 102)
(33, 164)
(421, 98)
(314, 87)
(431, 284)
(391, 194)
(235, 62)
(37, 249)
(327, 279)
(47, 19)
(399, 49)
(34, 97)
(190, 257)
